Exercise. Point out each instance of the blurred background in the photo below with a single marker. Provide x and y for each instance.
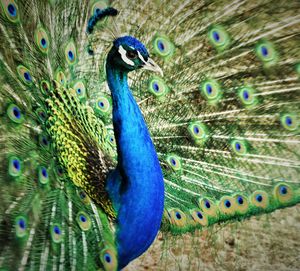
(267, 242)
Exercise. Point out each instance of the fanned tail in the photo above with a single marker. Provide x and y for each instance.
(224, 120)
(55, 154)
(225, 116)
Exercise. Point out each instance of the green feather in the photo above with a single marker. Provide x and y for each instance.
(224, 120)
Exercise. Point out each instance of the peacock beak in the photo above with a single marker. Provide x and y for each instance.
(152, 66)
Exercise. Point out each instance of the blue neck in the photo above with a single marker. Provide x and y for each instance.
(136, 186)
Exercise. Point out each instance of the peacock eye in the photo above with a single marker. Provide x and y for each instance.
(132, 54)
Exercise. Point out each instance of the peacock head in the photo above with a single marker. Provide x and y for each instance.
(129, 54)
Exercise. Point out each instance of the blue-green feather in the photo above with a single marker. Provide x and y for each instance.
(136, 186)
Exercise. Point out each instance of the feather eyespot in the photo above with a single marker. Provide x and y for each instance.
(24, 75)
(216, 36)
(177, 218)
(178, 215)
(10, 9)
(45, 87)
(227, 205)
(41, 115)
(260, 199)
(208, 207)
(157, 87)
(240, 200)
(14, 166)
(27, 76)
(198, 132)
(200, 216)
(266, 52)
(59, 171)
(283, 193)
(56, 233)
(111, 138)
(102, 106)
(80, 89)
(56, 230)
(42, 40)
(242, 204)
(71, 53)
(239, 147)
(21, 226)
(163, 47)
(108, 259)
(83, 221)
(289, 122)
(211, 90)
(44, 141)
(160, 45)
(83, 197)
(14, 113)
(60, 77)
(174, 162)
(43, 175)
(283, 190)
(247, 96)
(219, 38)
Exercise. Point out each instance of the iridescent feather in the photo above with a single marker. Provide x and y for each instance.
(224, 120)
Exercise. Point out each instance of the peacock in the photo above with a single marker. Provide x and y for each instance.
(99, 155)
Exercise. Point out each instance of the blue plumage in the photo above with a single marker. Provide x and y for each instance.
(76, 195)
(134, 43)
(136, 186)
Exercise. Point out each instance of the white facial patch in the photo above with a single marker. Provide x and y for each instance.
(141, 57)
(122, 52)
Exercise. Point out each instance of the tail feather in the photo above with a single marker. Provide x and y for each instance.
(224, 120)
(48, 222)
